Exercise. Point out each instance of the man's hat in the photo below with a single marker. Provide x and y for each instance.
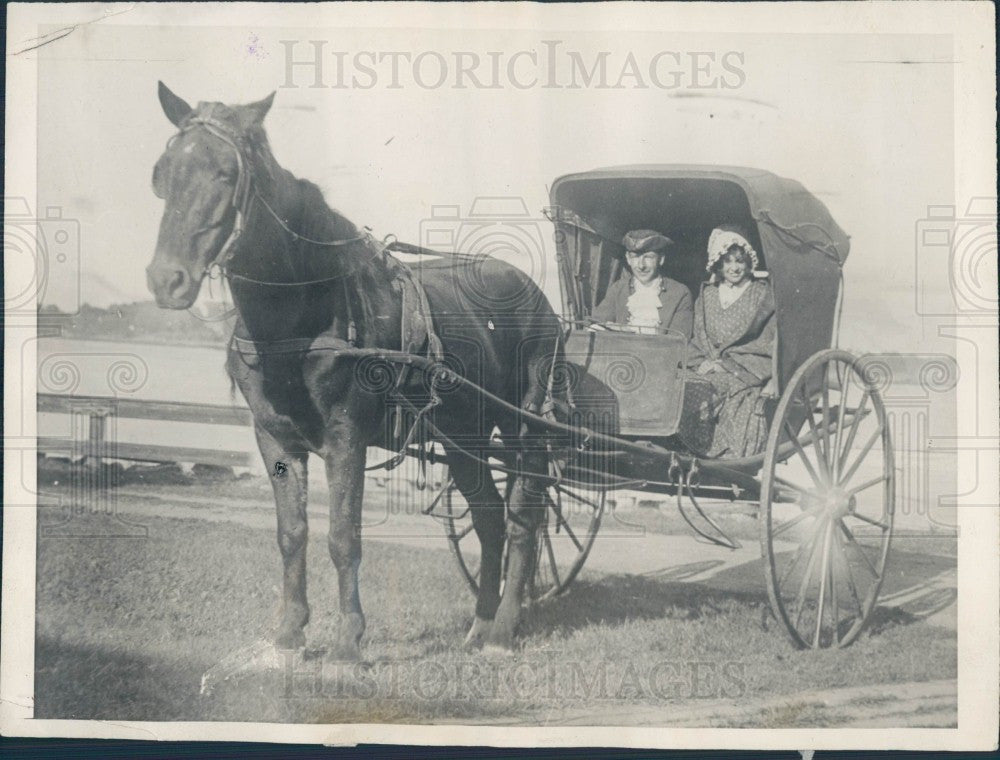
(641, 241)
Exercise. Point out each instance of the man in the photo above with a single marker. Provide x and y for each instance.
(644, 299)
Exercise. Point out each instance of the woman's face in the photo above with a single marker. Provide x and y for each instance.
(645, 266)
(735, 266)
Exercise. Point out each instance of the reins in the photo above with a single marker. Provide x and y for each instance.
(244, 195)
(243, 203)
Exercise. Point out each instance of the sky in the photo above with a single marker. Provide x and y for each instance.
(870, 136)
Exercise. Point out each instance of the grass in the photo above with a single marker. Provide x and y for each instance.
(125, 628)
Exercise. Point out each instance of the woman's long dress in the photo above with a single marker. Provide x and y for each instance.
(740, 337)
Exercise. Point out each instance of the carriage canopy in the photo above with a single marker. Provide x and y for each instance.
(801, 247)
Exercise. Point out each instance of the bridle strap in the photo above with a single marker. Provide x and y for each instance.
(244, 195)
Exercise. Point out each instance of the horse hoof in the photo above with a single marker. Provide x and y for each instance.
(501, 638)
(290, 640)
(477, 633)
(349, 651)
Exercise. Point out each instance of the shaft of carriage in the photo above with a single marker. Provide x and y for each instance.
(815, 535)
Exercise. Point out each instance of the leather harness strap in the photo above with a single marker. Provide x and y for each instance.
(416, 328)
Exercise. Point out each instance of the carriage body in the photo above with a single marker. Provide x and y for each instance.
(638, 418)
(632, 385)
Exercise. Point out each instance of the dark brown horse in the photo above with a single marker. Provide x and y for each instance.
(308, 286)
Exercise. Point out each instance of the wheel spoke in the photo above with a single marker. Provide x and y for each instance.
(861, 456)
(870, 520)
(804, 547)
(848, 574)
(825, 428)
(588, 502)
(868, 484)
(440, 495)
(838, 434)
(834, 606)
(800, 598)
(820, 457)
(858, 414)
(802, 454)
(463, 533)
(789, 484)
(824, 572)
(562, 521)
(854, 542)
(794, 521)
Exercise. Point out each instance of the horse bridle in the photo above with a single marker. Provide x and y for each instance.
(244, 195)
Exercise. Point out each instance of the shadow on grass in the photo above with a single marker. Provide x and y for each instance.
(616, 599)
(912, 579)
(922, 606)
(95, 682)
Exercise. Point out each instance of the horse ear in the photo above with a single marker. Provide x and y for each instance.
(174, 107)
(257, 111)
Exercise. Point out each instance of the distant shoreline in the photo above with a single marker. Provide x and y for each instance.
(143, 341)
(139, 322)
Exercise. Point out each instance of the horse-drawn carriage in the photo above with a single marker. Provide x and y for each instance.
(824, 482)
(330, 327)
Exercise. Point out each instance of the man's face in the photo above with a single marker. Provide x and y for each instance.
(645, 266)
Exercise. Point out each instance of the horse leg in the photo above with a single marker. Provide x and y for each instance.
(289, 480)
(524, 516)
(475, 481)
(345, 467)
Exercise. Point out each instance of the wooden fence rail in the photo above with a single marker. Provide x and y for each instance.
(92, 439)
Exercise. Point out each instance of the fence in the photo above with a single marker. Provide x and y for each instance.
(90, 438)
(94, 438)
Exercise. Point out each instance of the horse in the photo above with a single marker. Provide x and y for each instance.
(311, 292)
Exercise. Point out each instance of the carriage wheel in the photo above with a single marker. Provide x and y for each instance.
(826, 519)
(568, 529)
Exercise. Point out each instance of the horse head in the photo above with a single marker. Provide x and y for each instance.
(205, 177)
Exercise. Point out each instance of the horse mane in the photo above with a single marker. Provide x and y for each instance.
(358, 268)
(364, 273)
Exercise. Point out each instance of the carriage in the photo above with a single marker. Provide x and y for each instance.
(314, 353)
(823, 487)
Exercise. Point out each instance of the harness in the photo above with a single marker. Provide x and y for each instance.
(416, 329)
(245, 194)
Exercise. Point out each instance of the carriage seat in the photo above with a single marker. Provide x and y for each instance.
(631, 384)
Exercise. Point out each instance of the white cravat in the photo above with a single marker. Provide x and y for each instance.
(644, 304)
(729, 294)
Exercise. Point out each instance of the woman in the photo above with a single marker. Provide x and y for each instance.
(646, 301)
(733, 343)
